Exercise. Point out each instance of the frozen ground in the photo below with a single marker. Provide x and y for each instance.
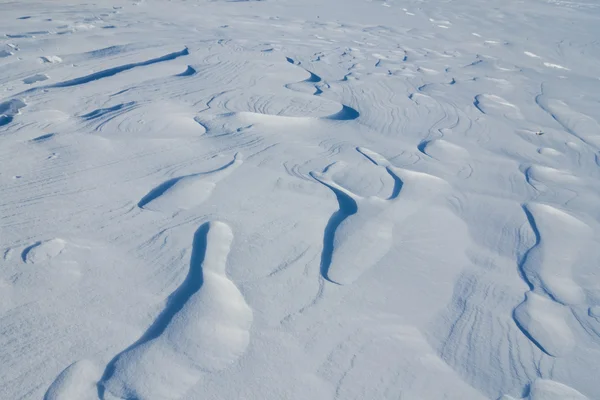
(299, 199)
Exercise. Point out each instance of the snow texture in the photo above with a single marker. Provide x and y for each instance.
(285, 199)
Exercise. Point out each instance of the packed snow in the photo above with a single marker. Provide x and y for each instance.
(299, 199)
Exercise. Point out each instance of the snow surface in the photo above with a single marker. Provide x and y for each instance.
(288, 199)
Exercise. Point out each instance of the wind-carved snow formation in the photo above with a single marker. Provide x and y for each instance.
(203, 328)
(299, 200)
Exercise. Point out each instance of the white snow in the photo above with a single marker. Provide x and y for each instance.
(285, 199)
(78, 381)
(203, 329)
(545, 322)
(543, 389)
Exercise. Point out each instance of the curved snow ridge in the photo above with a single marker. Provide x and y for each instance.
(545, 389)
(189, 71)
(238, 121)
(415, 185)
(11, 108)
(43, 251)
(547, 268)
(78, 381)
(498, 106)
(301, 99)
(289, 106)
(542, 174)
(155, 120)
(188, 191)
(205, 328)
(116, 70)
(453, 157)
(307, 85)
(360, 233)
(544, 322)
(347, 113)
(444, 150)
(549, 265)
